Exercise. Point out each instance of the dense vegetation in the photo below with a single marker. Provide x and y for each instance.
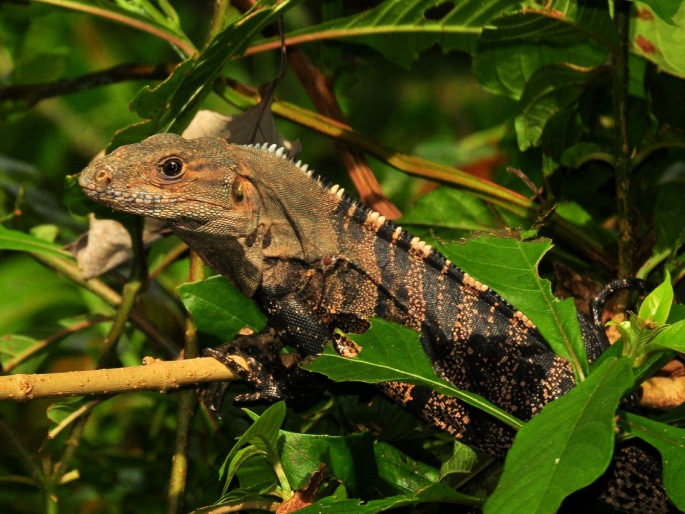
(557, 126)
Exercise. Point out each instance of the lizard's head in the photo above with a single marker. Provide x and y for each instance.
(190, 184)
(197, 187)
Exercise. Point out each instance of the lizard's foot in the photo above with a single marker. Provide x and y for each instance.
(262, 370)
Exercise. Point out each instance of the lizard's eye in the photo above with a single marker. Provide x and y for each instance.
(171, 168)
(237, 191)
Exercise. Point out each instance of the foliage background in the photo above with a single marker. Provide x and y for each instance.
(535, 92)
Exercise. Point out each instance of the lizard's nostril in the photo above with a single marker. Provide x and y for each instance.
(103, 176)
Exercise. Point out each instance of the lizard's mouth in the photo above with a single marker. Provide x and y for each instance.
(138, 201)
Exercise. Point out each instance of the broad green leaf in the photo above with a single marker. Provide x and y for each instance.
(669, 210)
(509, 266)
(566, 447)
(659, 41)
(60, 411)
(671, 337)
(15, 240)
(13, 345)
(263, 434)
(581, 153)
(411, 477)
(447, 207)
(402, 473)
(402, 29)
(435, 493)
(171, 105)
(514, 46)
(670, 441)
(393, 353)
(463, 460)
(577, 215)
(347, 458)
(657, 304)
(145, 18)
(219, 309)
(549, 90)
(664, 9)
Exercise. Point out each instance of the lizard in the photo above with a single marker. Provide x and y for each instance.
(315, 260)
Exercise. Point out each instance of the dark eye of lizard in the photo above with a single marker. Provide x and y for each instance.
(171, 168)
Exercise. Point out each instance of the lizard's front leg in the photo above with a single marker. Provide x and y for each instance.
(275, 376)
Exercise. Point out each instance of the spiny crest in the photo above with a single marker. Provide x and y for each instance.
(281, 151)
(373, 220)
(394, 234)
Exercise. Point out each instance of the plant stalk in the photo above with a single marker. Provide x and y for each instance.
(622, 169)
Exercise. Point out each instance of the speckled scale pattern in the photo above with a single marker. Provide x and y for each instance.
(315, 260)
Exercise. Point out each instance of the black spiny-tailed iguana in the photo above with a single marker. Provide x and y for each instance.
(314, 260)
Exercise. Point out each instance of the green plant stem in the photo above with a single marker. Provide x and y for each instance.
(621, 142)
(69, 270)
(70, 447)
(121, 318)
(128, 296)
(54, 338)
(187, 401)
(12, 443)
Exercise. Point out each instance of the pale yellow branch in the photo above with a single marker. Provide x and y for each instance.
(154, 375)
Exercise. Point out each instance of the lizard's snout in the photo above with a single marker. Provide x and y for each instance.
(95, 180)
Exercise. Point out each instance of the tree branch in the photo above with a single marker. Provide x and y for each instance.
(31, 94)
(154, 375)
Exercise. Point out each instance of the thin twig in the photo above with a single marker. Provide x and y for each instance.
(31, 94)
(187, 401)
(11, 442)
(69, 270)
(54, 338)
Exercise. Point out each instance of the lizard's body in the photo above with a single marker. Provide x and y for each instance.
(315, 261)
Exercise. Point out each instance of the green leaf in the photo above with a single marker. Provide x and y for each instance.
(58, 412)
(450, 208)
(219, 308)
(435, 493)
(565, 447)
(664, 9)
(347, 458)
(549, 90)
(171, 105)
(669, 210)
(263, 434)
(402, 29)
(393, 353)
(657, 304)
(149, 18)
(404, 474)
(660, 41)
(19, 241)
(513, 47)
(13, 345)
(578, 216)
(670, 441)
(462, 460)
(671, 337)
(509, 266)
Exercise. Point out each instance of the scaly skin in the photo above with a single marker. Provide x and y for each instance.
(314, 261)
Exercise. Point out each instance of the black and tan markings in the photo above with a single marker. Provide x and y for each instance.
(331, 263)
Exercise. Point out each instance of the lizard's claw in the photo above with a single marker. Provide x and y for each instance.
(261, 372)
